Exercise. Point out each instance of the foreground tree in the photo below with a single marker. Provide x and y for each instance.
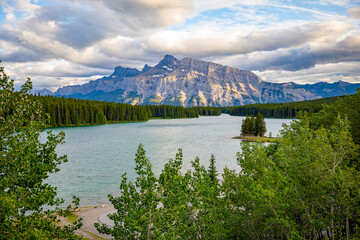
(305, 186)
(173, 206)
(25, 163)
(136, 206)
(300, 188)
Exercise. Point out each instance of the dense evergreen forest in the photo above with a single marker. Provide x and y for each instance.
(70, 111)
(208, 111)
(279, 110)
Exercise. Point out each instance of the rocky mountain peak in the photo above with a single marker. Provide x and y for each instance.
(125, 72)
(146, 68)
(342, 83)
(169, 62)
(191, 82)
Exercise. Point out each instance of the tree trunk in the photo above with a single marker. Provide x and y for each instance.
(149, 225)
(332, 217)
(347, 228)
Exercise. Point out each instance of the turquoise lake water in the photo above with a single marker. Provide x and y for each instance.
(99, 155)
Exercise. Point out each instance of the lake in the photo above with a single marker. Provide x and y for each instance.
(99, 155)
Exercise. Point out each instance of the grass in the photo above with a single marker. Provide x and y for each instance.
(72, 217)
(93, 235)
(255, 139)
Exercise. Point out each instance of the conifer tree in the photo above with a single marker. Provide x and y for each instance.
(212, 169)
(248, 126)
(252, 125)
(245, 127)
(259, 126)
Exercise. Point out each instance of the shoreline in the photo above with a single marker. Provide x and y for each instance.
(256, 139)
(115, 122)
(90, 215)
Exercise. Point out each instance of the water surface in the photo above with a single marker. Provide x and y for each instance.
(99, 155)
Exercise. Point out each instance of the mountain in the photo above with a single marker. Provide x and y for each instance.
(189, 82)
(42, 92)
(335, 89)
(106, 84)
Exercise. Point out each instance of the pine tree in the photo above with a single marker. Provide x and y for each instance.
(212, 169)
(259, 126)
(247, 127)
(252, 125)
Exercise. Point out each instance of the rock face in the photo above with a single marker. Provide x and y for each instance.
(187, 82)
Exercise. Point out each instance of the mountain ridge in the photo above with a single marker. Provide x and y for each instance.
(191, 82)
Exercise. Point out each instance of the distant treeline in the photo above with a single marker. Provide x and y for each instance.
(279, 110)
(208, 111)
(70, 111)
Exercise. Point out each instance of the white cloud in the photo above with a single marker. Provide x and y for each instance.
(10, 6)
(140, 15)
(331, 72)
(80, 38)
(208, 43)
(354, 12)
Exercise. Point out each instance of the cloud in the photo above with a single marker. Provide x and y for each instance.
(10, 6)
(298, 58)
(354, 12)
(91, 33)
(61, 39)
(140, 15)
(206, 43)
(331, 72)
(53, 74)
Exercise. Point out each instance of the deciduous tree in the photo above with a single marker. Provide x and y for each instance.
(25, 162)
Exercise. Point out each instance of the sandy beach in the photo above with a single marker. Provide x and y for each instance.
(91, 215)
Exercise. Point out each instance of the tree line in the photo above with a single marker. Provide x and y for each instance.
(70, 111)
(279, 110)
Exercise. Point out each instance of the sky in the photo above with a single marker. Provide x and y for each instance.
(66, 42)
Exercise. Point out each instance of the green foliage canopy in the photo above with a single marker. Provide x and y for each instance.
(25, 163)
(304, 186)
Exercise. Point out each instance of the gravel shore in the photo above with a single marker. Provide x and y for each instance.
(91, 215)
